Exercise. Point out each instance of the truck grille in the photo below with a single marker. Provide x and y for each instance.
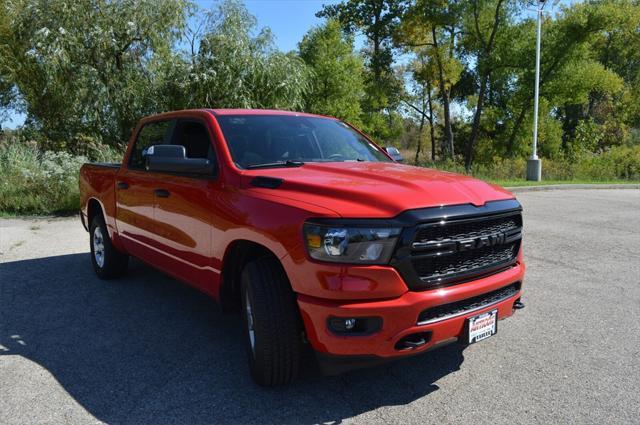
(468, 230)
(455, 248)
(434, 268)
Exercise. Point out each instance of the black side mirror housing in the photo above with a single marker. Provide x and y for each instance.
(394, 153)
(173, 159)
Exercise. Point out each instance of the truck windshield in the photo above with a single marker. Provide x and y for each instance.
(261, 141)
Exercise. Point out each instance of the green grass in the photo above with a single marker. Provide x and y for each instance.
(519, 183)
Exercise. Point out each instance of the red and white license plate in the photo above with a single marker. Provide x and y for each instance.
(482, 326)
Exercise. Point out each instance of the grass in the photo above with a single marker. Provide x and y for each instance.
(520, 183)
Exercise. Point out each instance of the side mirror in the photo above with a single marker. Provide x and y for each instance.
(394, 153)
(173, 159)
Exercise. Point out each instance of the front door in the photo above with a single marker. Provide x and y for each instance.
(185, 207)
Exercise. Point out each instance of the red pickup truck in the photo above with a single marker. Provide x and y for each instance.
(312, 232)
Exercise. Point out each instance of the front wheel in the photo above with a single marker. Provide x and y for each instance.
(108, 263)
(271, 323)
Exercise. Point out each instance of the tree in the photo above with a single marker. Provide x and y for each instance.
(234, 69)
(433, 25)
(423, 76)
(86, 67)
(566, 53)
(337, 83)
(376, 20)
(483, 23)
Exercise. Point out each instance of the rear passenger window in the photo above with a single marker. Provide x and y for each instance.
(153, 133)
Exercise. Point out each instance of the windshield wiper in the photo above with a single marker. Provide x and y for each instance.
(287, 163)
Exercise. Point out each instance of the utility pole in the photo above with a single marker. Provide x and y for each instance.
(534, 164)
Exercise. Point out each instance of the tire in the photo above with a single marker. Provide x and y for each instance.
(108, 262)
(272, 326)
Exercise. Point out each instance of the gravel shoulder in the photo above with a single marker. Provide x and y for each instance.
(146, 349)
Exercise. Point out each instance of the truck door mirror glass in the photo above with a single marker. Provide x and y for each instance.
(394, 153)
(173, 159)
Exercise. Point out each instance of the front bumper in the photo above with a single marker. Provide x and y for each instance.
(400, 317)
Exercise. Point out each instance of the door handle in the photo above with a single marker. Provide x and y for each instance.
(161, 193)
(122, 185)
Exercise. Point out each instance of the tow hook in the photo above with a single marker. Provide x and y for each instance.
(518, 305)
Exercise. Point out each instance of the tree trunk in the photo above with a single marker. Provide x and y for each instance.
(514, 131)
(448, 131)
(447, 142)
(419, 148)
(431, 129)
(476, 124)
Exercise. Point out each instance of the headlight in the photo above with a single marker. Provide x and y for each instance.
(350, 244)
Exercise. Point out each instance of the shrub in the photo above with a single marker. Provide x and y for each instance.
(620, 162)
(36, 182)
(617, 163)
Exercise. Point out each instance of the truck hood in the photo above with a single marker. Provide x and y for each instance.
(376, 189)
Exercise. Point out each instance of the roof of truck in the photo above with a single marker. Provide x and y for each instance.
(261, 112)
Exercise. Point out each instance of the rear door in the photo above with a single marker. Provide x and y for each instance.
(135, 192)
(185, 211)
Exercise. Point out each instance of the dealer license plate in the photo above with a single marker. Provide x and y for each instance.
(482, 326)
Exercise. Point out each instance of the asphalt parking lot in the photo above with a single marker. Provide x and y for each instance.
(146, 349)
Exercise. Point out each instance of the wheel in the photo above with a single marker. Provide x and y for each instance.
(272, 328)
(108, 263)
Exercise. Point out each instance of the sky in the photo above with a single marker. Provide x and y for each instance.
(289, 20)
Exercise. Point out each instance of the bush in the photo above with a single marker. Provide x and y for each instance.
(618, 163)
(36, 182)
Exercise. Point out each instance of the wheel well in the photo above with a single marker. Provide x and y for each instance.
(238, 254)
(94, 208)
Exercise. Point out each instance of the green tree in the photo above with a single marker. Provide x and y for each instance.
(87, 67)
(484, 20)
(568, 70)
(377, 20)
(234, 69)
(423, 77)
(337, 82)
(432, 28)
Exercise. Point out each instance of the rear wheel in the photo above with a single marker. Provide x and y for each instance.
(108, 262)
(271, 323)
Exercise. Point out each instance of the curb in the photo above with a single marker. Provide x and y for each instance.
(520, 189)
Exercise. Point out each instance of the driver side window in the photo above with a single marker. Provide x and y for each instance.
(153, 133)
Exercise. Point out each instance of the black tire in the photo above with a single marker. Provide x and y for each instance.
(274, 358)
(113, 263)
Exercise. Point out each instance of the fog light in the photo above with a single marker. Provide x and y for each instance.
(354, 325)
(349, 323)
